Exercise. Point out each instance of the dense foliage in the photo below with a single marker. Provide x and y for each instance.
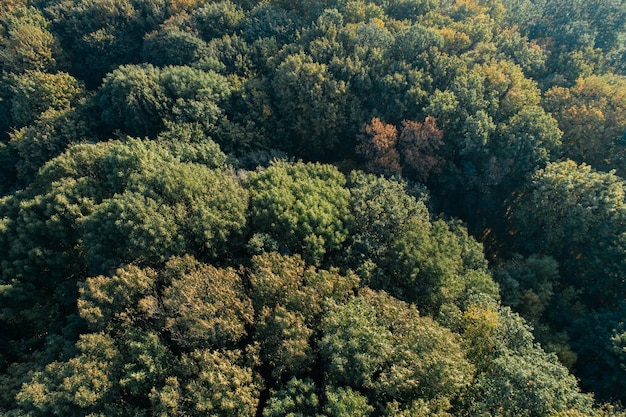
(312, 208)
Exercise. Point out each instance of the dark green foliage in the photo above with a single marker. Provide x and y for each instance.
(100, 36)
(171, 46)
(140, 100)
(217, 18)
(576, 215)
(199, 271)
(598, 338)
(307, 92)
(132, 100)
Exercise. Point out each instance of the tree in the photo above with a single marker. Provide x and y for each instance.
(205, 306)
(592, 117)
(214, 20)
(598, 338)
(377, 145)
(382, 209)
(419, 144)
(101, 36)
(517, 377)
(297, 398)
(139, 100)
(310, 103)
(170, 45)
(131, 362)
(436, 266)
(382, 347)
(48, 137)
(132, 99)
(34, 92)
(576, 215)
(26, 43)
(290, 300)
(303, 207)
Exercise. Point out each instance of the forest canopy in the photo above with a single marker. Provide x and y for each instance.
(312, 208)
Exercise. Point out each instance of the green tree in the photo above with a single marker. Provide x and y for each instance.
(171, 45)
(34, 92)
(139, 100)
(48, 137)
(290, 299)
(346, 402)
(598, 338)
(382, 347)
(303, 207)
(26, 43)
(435, 265)
(518, 377)
(100, 36)
(576, 215)
(131, 99)
(216, 19)
(205, 306)
(296, 399)
(310, 105)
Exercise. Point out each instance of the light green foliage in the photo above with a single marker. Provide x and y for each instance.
(296, 399)
(535, 384)
(166, 209)
(194, 94)
(47, 138)
(76, 386)
(414, 40)
(528, 55)
(189, 143)
(436, 264)
(218, 384)
(381, 346)
(67, 222)
(304, 207)
(114, 303)
(346, 402)
(131, 226)
(140, 317)
(517, 377)
(382, 210)
(438, 407)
